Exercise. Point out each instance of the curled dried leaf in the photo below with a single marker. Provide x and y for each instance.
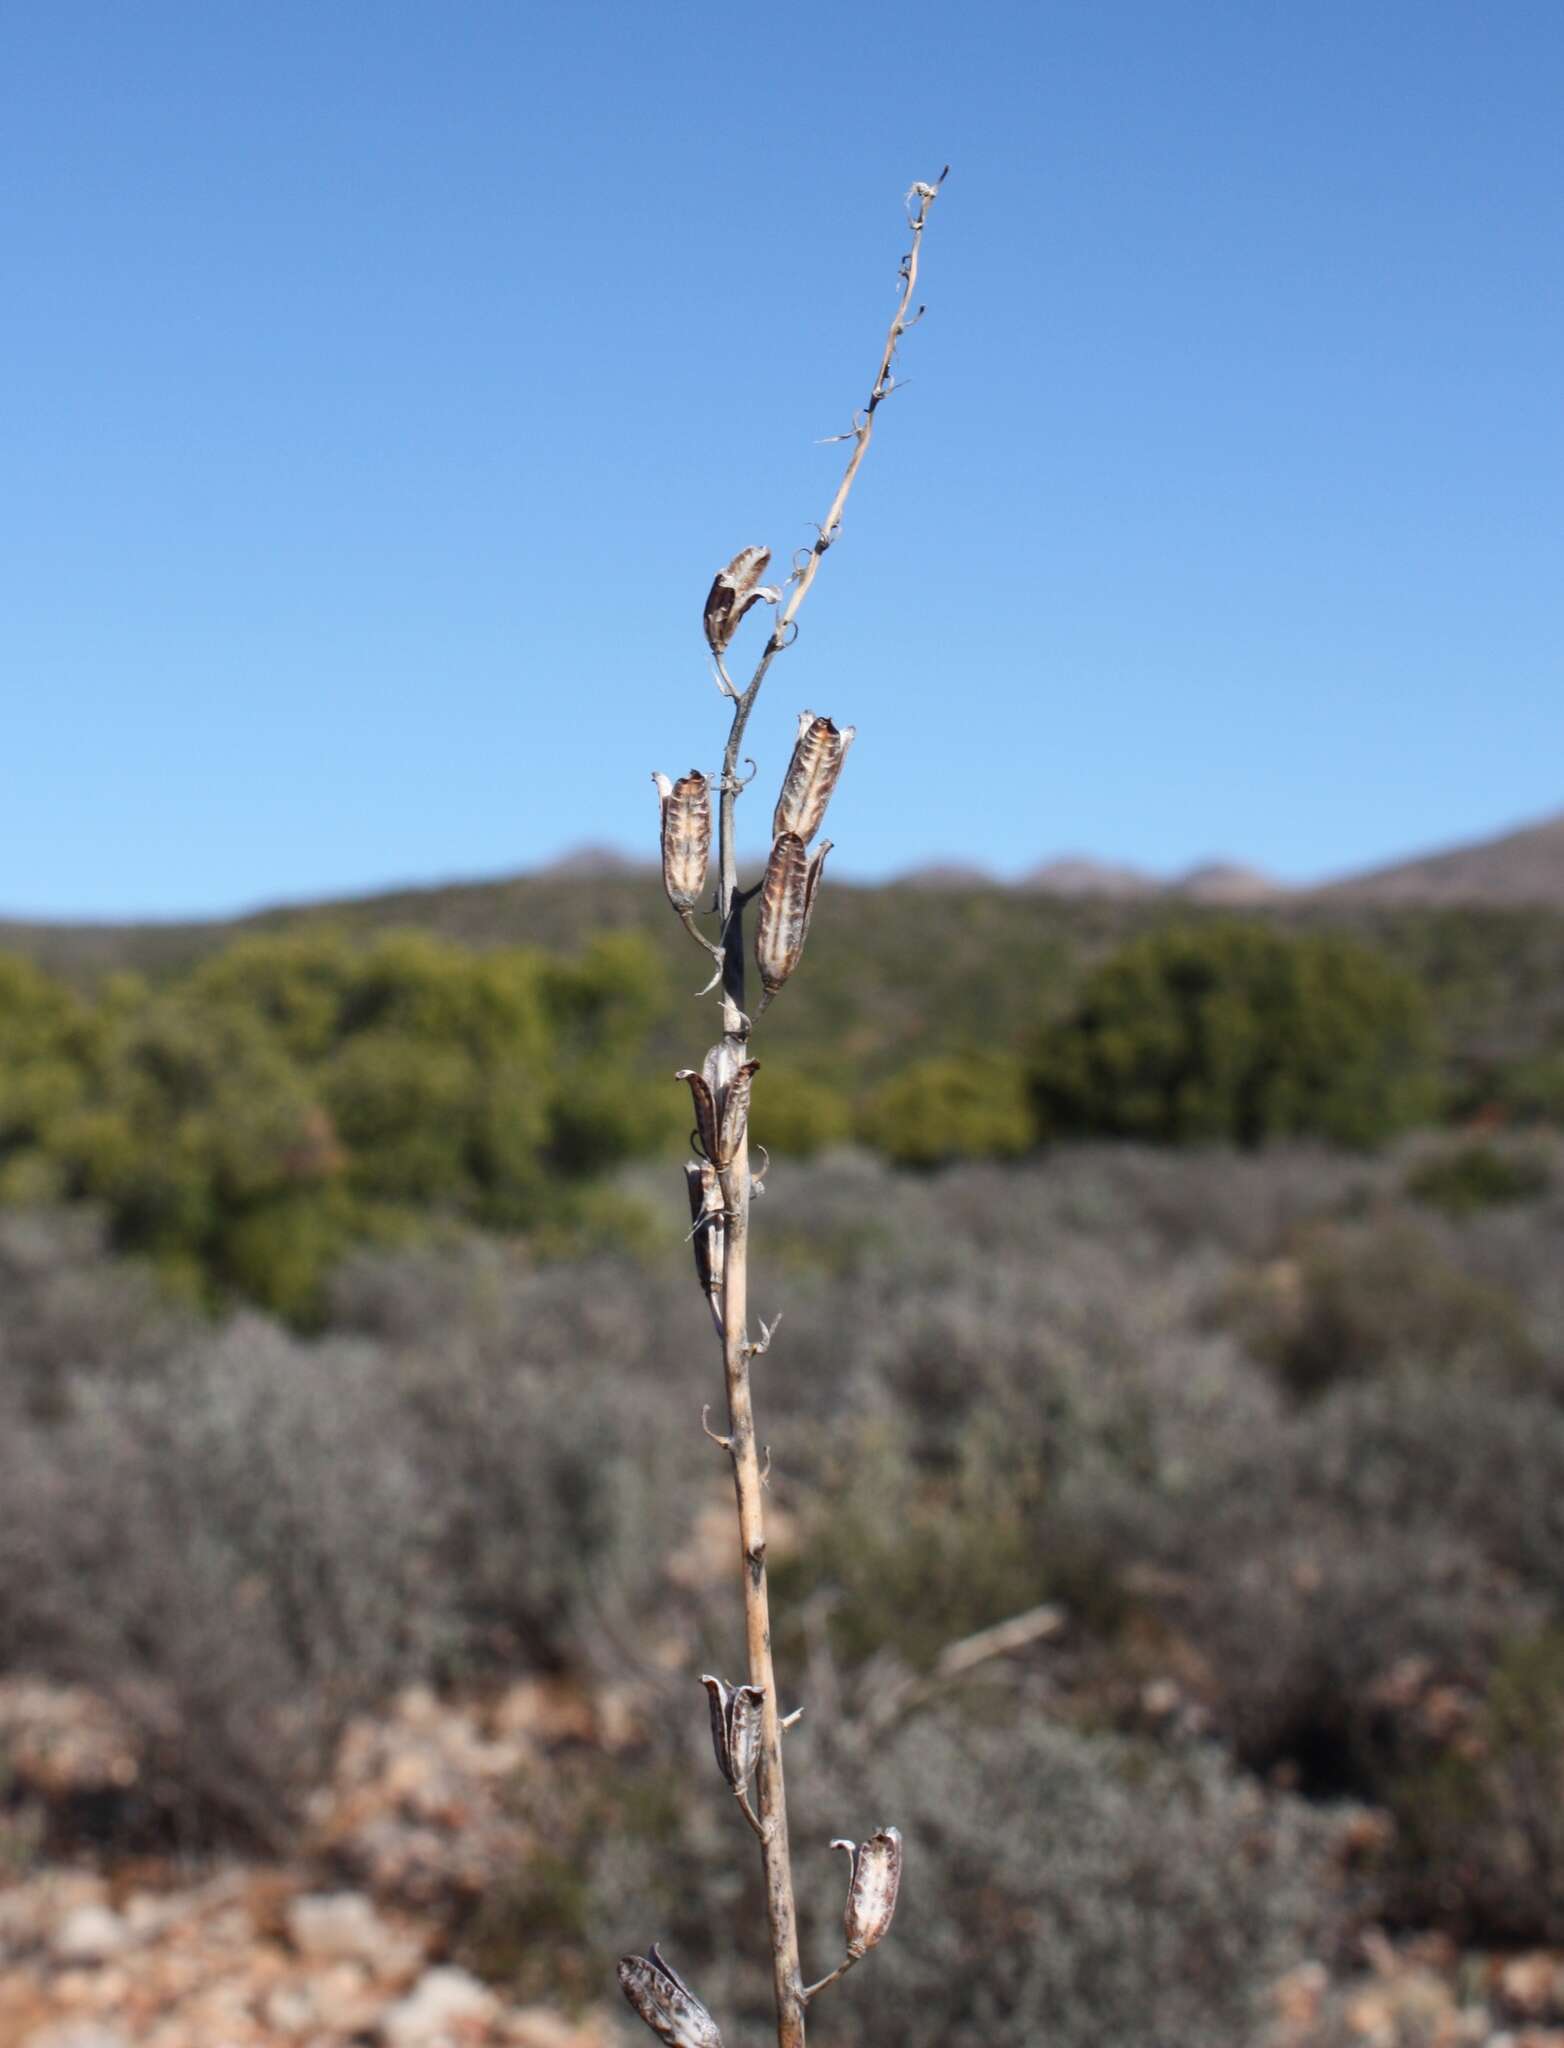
(818, 754)
(667, 2004)
(734, 589)
(871, 1893)
(787, 901)
(735, 1729)
(686, 836)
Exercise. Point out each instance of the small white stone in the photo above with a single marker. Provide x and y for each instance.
(89, 1934)
(343, 1927)
(446, 2008)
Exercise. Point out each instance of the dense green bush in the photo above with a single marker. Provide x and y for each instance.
(795, 1116)
(969, 1106)
(1240, 1032)
(243, 1126)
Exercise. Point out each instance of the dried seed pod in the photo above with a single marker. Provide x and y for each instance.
(871, 1894)
(811, 776)
(735, 1112)
(705, 1111)
(686, 836)
(719, 1067)
(787, 901)
(667, 2004)
(735, 1729)
(733, 591)
(721, 1105)
(707, 1229)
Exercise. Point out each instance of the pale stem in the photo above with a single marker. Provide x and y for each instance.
(771, 1820)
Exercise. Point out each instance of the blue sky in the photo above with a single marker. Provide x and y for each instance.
(383, 384)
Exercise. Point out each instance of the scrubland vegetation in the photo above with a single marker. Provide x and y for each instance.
(246, 1120)
(1278, 1431)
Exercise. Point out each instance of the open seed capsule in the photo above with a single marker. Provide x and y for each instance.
(735, 1729)
(667, 2004)
(787, 902)
(686, 836)
(735, 1112)
(721, 1116)
(733, 591)
(811, 776)
(871, 1895)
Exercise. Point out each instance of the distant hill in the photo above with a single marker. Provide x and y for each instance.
(1075, 875)
(1518, 868)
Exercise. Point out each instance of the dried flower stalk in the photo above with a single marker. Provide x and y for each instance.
(747, 1728)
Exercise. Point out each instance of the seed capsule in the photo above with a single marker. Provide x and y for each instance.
(667, 2004)
(787, 901)
(735, 1729)
(686, 836)
(722, 1114)
(733, 591)
(707, 1231)
(871, 1894)
(735, 1111)
(811, 776)
(705, 1112)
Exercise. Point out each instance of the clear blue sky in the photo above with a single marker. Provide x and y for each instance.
(383, 383)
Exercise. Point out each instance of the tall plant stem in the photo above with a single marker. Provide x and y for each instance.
(738, 1352)
(771, 1795)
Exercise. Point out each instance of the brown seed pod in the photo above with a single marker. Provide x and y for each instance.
(705, 1111)
(707, 1231)
(787, 901)
(871, 1893)
(667, 2004)
(686, 836)
(733, 591)
(811, 776)
(721, 1112)
(735, 1729)
(735, 1112)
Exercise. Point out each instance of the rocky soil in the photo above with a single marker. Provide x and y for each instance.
(349, 1945)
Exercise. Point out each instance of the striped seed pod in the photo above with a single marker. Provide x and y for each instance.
(686, 836)
(735, 1112)
(667, 2004)
(705, 1112)
(707, 1231)
(787, 901)
(733, 591)
(811, 775)
(735, 1729)
(721, 1113)
(871, 1894)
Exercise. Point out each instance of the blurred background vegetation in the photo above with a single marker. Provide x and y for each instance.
(243, 1104)
(1193, 1276)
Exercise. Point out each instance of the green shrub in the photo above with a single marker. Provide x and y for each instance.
(971, 1106)
(1479, 1176)
(795, 1116)
(1236, 1031)
(1482, 1825)
(1355, 1299)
